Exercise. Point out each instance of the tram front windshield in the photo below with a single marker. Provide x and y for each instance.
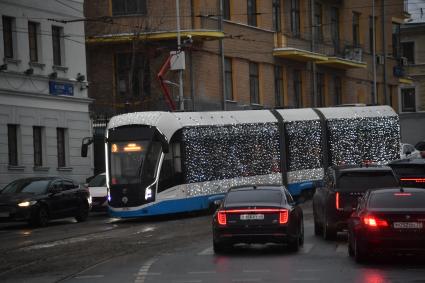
(126, 161)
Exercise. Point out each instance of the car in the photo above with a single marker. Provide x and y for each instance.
(98, 192)
(334, 201)
(421, 147)
(258, 214)
(409, 151)
(388, 220)
(39, 199)
(411, 172)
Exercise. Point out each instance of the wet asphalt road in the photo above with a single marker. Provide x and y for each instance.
(179, 250)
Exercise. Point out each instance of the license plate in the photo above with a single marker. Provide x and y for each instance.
(408, 225)
(252, 216)
(4, 214)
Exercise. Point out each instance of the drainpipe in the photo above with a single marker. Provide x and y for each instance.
(192, 77)
(313, 49)
(384, 42)
(375, 95)
(221, 43)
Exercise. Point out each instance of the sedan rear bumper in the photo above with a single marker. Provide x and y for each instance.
(267, 235)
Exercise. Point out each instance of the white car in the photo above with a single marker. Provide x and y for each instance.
(98, 192)
(409, 151)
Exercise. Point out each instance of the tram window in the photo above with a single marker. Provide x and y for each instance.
(177, 158)
(150, 165)
(171, 170)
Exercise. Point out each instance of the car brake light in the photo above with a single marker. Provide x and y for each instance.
(402, 194)
(416, 180)
(283, 216)
(221, 218)
(372, 221)
(337, 200)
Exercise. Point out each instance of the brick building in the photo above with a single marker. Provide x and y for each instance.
(244, 54)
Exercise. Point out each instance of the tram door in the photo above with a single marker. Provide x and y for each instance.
(171, 171)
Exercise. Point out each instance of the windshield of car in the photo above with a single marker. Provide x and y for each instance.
(362, 181)
(397, 200)
(26, 186)
(98, 181)
(254, 196)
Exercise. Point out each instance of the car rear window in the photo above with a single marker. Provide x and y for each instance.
(362, 181)
(98, 181)
(409, 170)
(254, 196)
(410, 200)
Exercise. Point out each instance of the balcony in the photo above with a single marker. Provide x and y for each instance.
(299, 54)
(351, 59)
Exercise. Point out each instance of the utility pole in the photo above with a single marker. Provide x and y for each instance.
(374, 98)
(313, 49)
(179, 47)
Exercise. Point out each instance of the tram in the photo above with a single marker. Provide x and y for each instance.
(170, 162)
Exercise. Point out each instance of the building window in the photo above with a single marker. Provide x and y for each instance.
(408, 103)
(318, 31)
(338, 90)
(372, 33)
(297, 88)
(278, 85)
(276, 15)
(57, 36)
(252, 12)
(128, 7)
(60, 136)
(226, 9)
(33, 40)
(396, 40)
(320, 89)
(8, 36)
(12, 142)
(335, 28)
(295, 17)
(228, 76)
(356, 29)
(38, 146)
(137, 84)
(408, 49)
(254, 85)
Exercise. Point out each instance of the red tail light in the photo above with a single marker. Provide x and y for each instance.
(221, 218)
(374, 222)
(337, 200)
(283, 216)
(416, 180)
(402, 194)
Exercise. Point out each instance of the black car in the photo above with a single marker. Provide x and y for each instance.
(39, 199)
(258, 214)
(389, 220)
(411, 172)
(334, 202)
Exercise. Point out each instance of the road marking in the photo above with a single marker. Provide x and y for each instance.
(89, 276)
(207, 251)
(341, 248)
(306, 248)
(202, 272)
(144, 269)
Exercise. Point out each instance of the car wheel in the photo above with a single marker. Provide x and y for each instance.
(294, 245)
(301, 239)
(350, 246)
(328, 232)
(83, 212)
(219, 247)
(318, 229)
(40, 217)
(359, 253)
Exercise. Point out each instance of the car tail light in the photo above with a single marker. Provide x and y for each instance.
(416, 180)
(374, 222)
(402, 194)
(221, 218)
(283, 216)
(337, 200)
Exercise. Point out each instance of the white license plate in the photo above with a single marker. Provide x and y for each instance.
(4, 214)
(408, 225)
(252, 216)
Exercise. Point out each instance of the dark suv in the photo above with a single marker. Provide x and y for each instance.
(411, 172)
(336, 199)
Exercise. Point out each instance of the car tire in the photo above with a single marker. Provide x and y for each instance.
(350, 246)
(40, 218)
(318, 229)
(219, 247)
(301, 238)
(329, 233)
(359, 254)
(83, 212)
(294, 245)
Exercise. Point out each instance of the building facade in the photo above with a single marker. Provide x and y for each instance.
(244, 54)
(44, 109)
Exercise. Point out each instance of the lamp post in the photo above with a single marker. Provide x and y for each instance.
(374, 98)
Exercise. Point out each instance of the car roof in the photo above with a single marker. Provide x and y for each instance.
(357, 168)
(397, 189)
(256, 187)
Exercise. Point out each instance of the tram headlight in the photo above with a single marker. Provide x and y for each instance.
(148, 193)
